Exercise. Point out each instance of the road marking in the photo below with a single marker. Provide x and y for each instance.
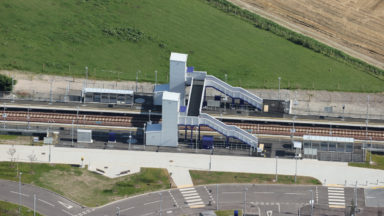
(188, 192)
(192, 197)
(173, 198)
(26, 195)
(294, 193)
(229, 192)
(186, 189)
(336, 197)
(46, 202)
(194, 200)
(262, 192)
(127, 209)
(152, 202)
(66, 212)
(368, 197)
(65, 205)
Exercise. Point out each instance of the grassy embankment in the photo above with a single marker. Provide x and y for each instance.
(377, 162)
(62, 37)
(83, 186)
(10, 209)
(206, 177)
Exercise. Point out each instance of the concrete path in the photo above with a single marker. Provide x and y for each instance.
(112, 162)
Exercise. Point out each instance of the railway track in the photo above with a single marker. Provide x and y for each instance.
(138, 121)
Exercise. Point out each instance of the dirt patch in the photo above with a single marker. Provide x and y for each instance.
(356, 27)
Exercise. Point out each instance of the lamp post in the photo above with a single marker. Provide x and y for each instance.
(276, 169)
(28, 117)
(86, 76)
(295, 168)
(279, 87)
(155, 77)
(117, 211)
(73, 121)
(137, 77)
(161, 203)
(149, 116)
(245, 200)
(130, 139)
(312, 202)
(34, 204)
(20, 173)
(4, 115)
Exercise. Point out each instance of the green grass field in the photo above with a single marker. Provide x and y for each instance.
(206, 177)
(377, 162)
(62, 37)
(10, 209)
(83, 186)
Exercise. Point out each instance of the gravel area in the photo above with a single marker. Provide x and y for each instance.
(308, 102)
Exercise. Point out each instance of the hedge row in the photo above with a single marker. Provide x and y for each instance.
(292, 36)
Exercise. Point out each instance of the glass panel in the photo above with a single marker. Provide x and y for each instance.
(349, 147)
(340, 147)
(324, 146)
(332, 146)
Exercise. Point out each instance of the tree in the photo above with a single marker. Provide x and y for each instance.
(6, 83)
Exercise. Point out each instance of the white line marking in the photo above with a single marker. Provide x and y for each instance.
(127, 209)
(66, 212)
(46, 202)
(336, 203)
(65, 205)
(190, 194)
(338, 197)
(336, 200)
(368, 197)
(336, 192)
(262, 192)
(26, 195)
(232, 192)
(186, 189)
(192, 197)
(294, 193)
(152, 202)
(194, 200)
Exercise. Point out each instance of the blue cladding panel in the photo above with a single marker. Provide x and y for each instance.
(190, 69)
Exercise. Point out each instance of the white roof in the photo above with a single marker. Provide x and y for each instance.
(161, 87)
(107, 91)
(179, 57)
(171, 96)
(153, 127)
(328, 138)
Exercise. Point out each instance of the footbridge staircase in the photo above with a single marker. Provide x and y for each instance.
(193, 116)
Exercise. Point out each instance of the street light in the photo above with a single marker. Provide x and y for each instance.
(86, 76)
(137, 77)
(4, 115)
(130, 139)
(155, 77)
(295, 168)
(149, 116)
(161, 203)
(312, 202)
(73, 121)
(28, 117)
(279, 87)
(117, 211)
(20, 173)
(276, 169)
(245, 200)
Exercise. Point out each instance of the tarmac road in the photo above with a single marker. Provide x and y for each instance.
(280, 199)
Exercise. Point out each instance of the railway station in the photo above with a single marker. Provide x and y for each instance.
(194, 112)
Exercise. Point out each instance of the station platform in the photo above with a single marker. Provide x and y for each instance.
(139, 110)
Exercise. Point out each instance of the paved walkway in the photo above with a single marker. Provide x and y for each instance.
(113, 162)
